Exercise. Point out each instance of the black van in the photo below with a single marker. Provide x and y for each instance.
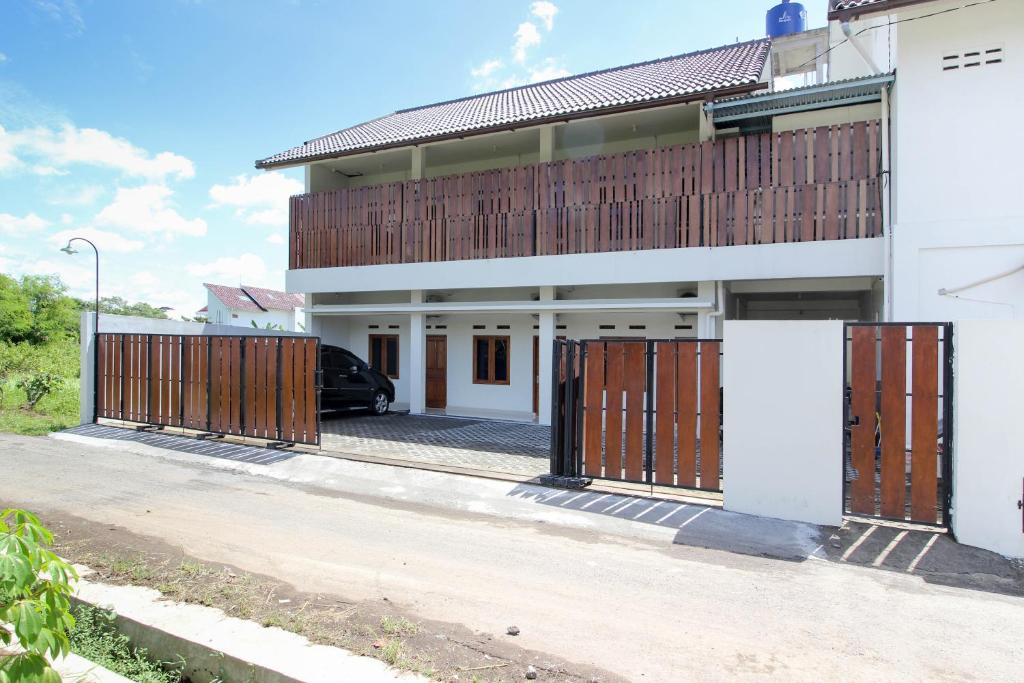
(348, 382)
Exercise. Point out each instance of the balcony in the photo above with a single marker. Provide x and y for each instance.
(771, 188)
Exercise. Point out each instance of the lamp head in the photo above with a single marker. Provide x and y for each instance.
(69, 250)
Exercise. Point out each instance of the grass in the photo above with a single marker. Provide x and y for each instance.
(58, 410)
(250, 597)
(96, 638)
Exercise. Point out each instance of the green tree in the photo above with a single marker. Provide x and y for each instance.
(36, 309)
(35, 590)
(15, 313)
(116, 305)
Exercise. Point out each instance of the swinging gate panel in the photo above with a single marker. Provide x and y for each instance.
(638, 410)
(259, 386)
(897, 458)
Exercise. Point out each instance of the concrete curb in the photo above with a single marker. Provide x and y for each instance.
(218, 647)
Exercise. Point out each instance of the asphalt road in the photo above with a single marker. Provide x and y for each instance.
(646, 609)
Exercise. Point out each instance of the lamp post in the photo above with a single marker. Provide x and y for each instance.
(69, 250)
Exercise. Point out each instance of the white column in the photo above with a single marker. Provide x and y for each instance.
(988, 470)
(311, 324)
(705, 126)
(418, 154)
(782, 457)
(87, 360)
(417, 357)
(545, 338)
(547, 143)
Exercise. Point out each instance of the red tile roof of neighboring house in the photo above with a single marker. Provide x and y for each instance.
(273, 300)
(731, 68)
(204, 309)
(254, 299)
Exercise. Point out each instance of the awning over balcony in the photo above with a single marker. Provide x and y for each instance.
(727, 113)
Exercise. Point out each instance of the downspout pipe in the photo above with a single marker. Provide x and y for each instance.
(889, 285)
(848, 32)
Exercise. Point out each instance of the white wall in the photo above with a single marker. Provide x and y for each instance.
(782, 427)
(988, 456)
(957, 213)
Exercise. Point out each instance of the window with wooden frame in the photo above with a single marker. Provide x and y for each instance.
(384, 354)
(491, 360)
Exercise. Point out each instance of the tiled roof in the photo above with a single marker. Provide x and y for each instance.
(254, 299)
(723, 68)
(273, 300)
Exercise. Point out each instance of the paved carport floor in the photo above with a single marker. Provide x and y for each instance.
(487, 445)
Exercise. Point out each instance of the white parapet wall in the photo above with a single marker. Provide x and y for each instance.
(988, 435)
(783, 438)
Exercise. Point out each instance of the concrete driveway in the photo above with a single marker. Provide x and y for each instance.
(467, 444)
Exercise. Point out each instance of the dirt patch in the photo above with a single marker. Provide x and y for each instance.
(373, 628)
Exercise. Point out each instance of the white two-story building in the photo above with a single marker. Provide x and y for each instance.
(657, 199)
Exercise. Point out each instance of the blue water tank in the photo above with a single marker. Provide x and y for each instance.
(785, 18)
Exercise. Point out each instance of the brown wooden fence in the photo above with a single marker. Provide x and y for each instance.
(259, 386)
(792, 186)
(896, 458)
(646, 411)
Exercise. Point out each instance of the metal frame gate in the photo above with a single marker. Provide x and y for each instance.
(890, 471)
(246, 385)
(636, 410)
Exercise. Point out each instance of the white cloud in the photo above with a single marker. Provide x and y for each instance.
(3, 58)
(148, 209)
(83, 196)
(527, 36)
(487, 68)
(231, 270)
(81, 279)
(545, 11)
(70, 145)
(276, 238)
(260, 199)
(48, 170)
(547, 70)
(13, 225)
(66, 219)
(104, 241)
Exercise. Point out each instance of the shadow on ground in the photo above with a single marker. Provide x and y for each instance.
(930, 554)
(182, 444)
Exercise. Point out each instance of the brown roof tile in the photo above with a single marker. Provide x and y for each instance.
(723, 68)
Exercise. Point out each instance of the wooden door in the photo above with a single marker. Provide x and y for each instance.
(437, 371)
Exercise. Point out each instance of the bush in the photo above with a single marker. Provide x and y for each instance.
(96, 638)
(37, 386)
(34, 598)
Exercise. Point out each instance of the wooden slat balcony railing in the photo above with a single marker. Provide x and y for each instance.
(794, 186)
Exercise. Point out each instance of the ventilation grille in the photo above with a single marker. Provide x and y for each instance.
(971, 59)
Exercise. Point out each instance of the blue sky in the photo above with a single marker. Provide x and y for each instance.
(137, 123)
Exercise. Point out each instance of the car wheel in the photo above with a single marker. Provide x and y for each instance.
(380, 403)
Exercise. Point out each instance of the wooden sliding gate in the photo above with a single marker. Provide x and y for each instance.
(260, 386)
(897, 460)
(644, 411)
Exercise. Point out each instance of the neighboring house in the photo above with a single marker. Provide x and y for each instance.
(657, 199)
(246, 304)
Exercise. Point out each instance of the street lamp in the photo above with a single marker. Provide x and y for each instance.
(69, 250)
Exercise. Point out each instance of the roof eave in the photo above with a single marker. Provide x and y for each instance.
(589, 113)
(879, 8)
